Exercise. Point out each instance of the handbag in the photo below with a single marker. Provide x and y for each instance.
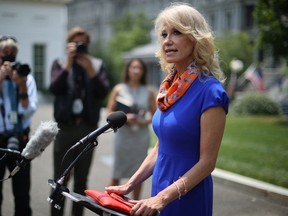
(125, 105)
(112, 200)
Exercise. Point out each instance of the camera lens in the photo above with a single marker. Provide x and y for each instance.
(13, 143)
(81, 48)
(22, 69)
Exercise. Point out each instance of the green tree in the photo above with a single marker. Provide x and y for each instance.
(129, 31)
(272, 20)
(239, 46)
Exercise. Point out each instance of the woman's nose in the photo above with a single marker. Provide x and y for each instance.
(167, 40)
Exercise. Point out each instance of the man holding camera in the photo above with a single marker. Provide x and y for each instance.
(79, 84)
(18, 103)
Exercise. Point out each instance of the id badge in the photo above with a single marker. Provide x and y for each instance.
(13, 117)
(77, 107)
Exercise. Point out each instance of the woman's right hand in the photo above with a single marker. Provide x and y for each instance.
(119, 189)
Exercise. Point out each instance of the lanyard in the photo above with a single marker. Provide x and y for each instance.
(13, 115)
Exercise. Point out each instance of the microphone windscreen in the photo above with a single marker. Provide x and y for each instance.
(117, 119)
(42, 137)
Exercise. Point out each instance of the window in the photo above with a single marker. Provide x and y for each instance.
(212, 21)
(228, 18)
(249, 20)
(39, 51)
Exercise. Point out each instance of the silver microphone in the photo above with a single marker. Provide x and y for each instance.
(43, 136)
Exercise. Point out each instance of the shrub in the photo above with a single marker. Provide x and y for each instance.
(255, 104)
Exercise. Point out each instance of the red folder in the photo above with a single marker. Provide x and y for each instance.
(112, 201)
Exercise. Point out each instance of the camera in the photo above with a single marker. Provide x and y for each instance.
(81, 48)
(22, 69)
(13, 143)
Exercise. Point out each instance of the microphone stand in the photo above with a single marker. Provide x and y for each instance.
(60, 190)
(58, 186)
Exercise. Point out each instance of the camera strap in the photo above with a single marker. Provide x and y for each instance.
(13, 115)
(12, 93)
(78, 88)
(3, 113)
(13, 100)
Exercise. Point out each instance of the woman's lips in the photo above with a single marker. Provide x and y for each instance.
(170, 51)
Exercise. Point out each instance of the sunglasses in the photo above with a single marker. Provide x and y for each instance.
(4, 38)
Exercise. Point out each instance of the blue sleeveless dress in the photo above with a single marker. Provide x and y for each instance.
(178, 131)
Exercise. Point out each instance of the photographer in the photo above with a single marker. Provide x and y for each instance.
(18, 103)
(79, 84)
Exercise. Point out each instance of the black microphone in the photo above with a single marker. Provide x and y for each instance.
(115, 120)
(42, 137)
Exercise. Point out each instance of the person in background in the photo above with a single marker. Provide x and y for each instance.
(79, 84)
(189, 121)
(18, 101)
(137, 99)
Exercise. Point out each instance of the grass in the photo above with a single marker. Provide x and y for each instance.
(255, 146)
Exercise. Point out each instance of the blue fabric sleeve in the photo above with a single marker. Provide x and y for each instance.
(215, 95)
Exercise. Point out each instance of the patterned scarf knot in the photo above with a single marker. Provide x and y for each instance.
(174, 87)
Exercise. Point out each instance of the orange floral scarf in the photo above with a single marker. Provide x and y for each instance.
(174, 87)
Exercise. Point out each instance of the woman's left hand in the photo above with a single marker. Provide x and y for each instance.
(147, 207)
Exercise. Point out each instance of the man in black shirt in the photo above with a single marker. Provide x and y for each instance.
(79, 84)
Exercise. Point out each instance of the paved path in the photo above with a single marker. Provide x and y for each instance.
(231, 199)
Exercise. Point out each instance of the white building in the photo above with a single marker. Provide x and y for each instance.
(40, 28)
(97, 18)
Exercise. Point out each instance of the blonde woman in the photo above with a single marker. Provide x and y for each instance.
(189, 121)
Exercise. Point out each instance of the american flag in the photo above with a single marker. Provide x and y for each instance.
(255, 75)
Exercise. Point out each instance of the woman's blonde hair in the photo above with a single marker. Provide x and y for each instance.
(189, 21)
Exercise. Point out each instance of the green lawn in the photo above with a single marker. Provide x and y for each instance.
(256, 147)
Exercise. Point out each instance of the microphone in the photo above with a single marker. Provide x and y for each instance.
(11, 152)
(115, 120)
(42, 137)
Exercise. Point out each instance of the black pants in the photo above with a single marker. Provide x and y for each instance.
(20, 183)
(68, 136)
